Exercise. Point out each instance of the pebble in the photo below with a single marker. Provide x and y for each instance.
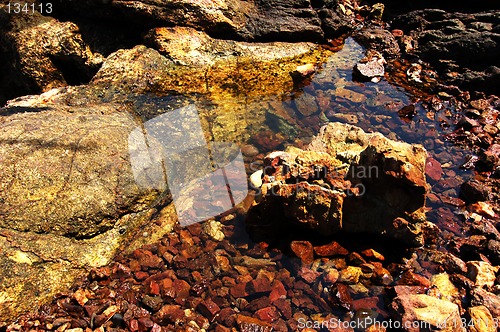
(256, 179)
(305, 70)
(303, 250)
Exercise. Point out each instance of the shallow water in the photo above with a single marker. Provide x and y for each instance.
(266, 123)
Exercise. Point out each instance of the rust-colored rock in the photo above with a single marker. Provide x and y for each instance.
(303, 250)
(331, 249)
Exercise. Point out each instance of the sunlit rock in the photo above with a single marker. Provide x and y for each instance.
(346, 180)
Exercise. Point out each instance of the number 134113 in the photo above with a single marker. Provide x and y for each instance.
(29, 8)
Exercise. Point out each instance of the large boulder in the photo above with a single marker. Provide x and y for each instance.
(346, 180)
(276, 20)
(464, 46)
(41, 53)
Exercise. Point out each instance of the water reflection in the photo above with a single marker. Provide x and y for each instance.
(170, 151)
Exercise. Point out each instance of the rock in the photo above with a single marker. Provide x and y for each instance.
(248, 324)
(482, 273)
(484, 209)
(278, 291)
(481, 297)
(208, 308)
(433, 169)
(256, 179)
(343, 173)
(331, 276)
(373, 255)
(442, 288)
(76, 201)
(331, 249)
(372, 66)
(267, 314)
(214, 230)
(441, 315)
(458, 44)
(350, 275)
(306, 104)
(413, 279)
(42, 53)
(481, 319)
(305, 70)
(303, 250)
(378, 39)
(350, 95)
(472, 191)
(236, 19)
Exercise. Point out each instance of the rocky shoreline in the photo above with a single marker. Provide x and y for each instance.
(69, 204)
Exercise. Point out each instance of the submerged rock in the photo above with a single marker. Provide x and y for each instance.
(346, 180)
(371, 67)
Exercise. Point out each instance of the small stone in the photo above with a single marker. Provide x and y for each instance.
(153, 302)
(489, 300)
(239, 290)
(250, 324)
(303, 250)
(268, 314)
(214, 229)
(429, 310)
(373, 255)
(308, 275)
(278, 291)
(374, 67)
(331, 249)
(433, 169)
(256, 179)
(170, 313)
(410, 278)
(382, 276)
(350, 275)
(397, 33)
(350, 95)
(147, 259)
(208, 308)
(306, 104)
(342, 297)
(442, 288)
(481, 320)
(181, 288)
(81, 296)
(305, 70)
(480, 104)
(249, 150)
(482, 273)
(259, 285)
(330, 276)
(483, 208)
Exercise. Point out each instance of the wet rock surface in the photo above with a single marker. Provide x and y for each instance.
(464, 46)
